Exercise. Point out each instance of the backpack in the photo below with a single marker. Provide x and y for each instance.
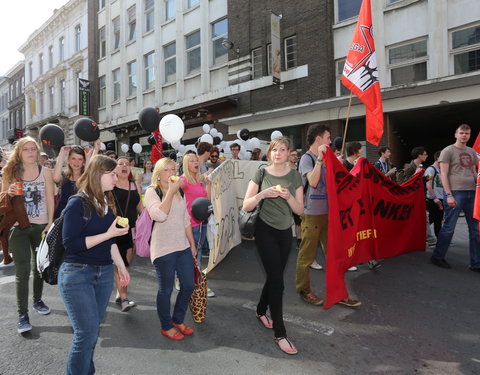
(51, 252)
(144, 228)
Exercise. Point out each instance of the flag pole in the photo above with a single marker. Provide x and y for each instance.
(346, 122)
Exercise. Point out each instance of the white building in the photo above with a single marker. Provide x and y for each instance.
(56, 56)
(4, 123)
(165, 54)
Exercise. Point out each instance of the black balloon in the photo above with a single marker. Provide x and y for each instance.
(52, 136)
(216, 140)
(337, 143)
(244, 134)
(151, 139)
(202, 209)
(149, 119)
(165, 146)
(173, 155)
(87, 130)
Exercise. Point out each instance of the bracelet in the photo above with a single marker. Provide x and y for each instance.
(449, 195)
(319, 162)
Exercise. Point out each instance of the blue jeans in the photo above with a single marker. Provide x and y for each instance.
(465, 200)
(182, 263)
(85, 291)
(200, 237)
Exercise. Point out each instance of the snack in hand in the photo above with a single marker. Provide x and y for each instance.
(174, 178)
(122, 221)
(278, 187)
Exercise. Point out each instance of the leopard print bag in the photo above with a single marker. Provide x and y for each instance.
(198, 300)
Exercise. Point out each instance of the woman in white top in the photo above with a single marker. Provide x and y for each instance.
(144, 179)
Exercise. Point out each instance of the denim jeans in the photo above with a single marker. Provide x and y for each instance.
(165, 266)
(465, 200)
(200, 237)
(85, 291)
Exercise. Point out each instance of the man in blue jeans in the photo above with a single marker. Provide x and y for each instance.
(458, 173)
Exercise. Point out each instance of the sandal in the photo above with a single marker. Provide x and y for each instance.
(286, 345)
(265, 320)
(186, 329)
(175, 335)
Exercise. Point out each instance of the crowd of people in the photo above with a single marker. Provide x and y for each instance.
(92, 190)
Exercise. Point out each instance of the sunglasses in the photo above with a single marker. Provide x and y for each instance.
(214, 156)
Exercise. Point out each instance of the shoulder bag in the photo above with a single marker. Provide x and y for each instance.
(248, 220)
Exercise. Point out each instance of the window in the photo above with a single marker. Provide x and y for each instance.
(40, 103)
(22, 84)
(102, 43)
(149, 15)
(341, 89)
(116, 33)
(347, 9)
(51, 92)
(101, 4)
(291, 52)
(40, 64)
(149, 60)
(61, 49)
(132, 23)
(33, 106)
(192, 43)
(103, 91)
(169, 9)
(392, 1)
(169, 54)
(78, 31)
(132, 78)
(62, 95)
(30, 71)
(116, 84)
(257, 63)
(17, 88)
(466, 49)
(269, 59)
(50, 57)
(219, 34)
(408, 63)
(192, 3)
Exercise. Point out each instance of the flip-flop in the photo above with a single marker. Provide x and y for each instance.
(173, 336)
(265, 320)
(288, 349)
(186, 330)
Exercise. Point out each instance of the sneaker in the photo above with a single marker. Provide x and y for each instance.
(311, 298)
(352, 269)
(442, 263)
(210, 293)
(431, 243)
(373, 264)
(23, 324)
(474, 269)
(41, 308)
(118, 301)
(127, 304)
(316, 266)
(350, 302)
(177, 284)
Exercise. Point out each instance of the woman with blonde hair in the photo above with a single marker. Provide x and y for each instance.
(172, 247)
(23, 169)
(281, 191)
(85, 278)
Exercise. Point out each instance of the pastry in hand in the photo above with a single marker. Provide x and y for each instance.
(122, 221)
(278, 187)
(174, 178)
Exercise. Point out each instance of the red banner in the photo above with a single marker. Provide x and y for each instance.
(476, 145)
(370, 217)
(360, 73)
(476, 206)
(157, 147)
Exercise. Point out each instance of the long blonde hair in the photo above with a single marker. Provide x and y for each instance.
(191, 178)
(90, 183)
(160, 165)
(13, 170)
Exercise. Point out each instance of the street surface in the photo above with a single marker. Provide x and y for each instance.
(415, 318)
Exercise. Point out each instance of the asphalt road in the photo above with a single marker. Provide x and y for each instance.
(415, 319)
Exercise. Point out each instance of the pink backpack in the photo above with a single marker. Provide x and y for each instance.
(143, 232)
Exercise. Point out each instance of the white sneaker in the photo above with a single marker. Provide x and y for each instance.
(316, 266)
(177, 283)
(210, 293)
(352, 269)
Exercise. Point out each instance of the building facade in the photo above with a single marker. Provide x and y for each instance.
(4, 114)
(16, 102)
(56, 57)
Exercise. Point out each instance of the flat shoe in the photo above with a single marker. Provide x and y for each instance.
(286, 345)
(350, 302)
(176, 335)
(265, 320)
(186, 330)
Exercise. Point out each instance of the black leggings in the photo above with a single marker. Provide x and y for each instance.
(273, 246)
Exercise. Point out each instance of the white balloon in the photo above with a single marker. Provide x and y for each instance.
(171, 128)
(124, 147)
(220, 135)
(137, 148)
(214, 132)
(176, 145)
(102, 146)
(190, 147)
(222, 145)
(248, 155)
(276, 134)
(206, 128)
(181, 149)
(206, 138)
(254, 143)
(238, 134)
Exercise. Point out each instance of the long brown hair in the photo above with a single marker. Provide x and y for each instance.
(90, 183)
(79, 151)
(13, 170)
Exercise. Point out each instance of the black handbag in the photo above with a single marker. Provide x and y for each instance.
(248, 220)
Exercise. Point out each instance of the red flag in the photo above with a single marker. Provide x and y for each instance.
(360, 73)
(476, 145)
(476, 205)
(369, 217)
(157, 147)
